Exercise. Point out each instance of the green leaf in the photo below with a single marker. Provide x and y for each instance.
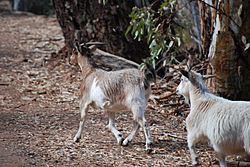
(170, 44)
(148, 24)
(158, 52)
(142, 66)
(128, 30)
(134, 29)
(149, 37)
(136, 34)
(178, 41)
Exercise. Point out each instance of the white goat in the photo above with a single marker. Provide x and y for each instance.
(114, 91)
(223, 123)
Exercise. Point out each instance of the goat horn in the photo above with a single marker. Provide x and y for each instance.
(95, 43)
(91, 48)
(205, 77)
(92, 43)
(76, 46)
(190, 62)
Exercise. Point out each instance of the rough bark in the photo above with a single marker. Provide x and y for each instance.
(244, 60)
(205, 26)
(225, 65)
(223, 54)
(98, 22)
(197, 30)
(229, 60)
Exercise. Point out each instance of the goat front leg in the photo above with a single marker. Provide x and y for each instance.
(143, 123)
(118, 135)
(138, 113)
(83, 110)
(136, 127)
(191, 140)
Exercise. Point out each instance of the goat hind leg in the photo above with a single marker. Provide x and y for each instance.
(220, 155)
(136, 127)
(222, 160)
(83, 110)
(118, 135)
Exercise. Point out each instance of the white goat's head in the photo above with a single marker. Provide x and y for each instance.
(189, 79)
(183, 89)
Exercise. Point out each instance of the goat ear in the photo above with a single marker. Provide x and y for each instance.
(190, 62)
(77, 46)
(77, 41)
(85, 50)
(185, 73)
(150, 72)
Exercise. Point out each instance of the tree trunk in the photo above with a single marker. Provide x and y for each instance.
(205, 25)
(230, 62)
(244, 60)
(197, 20)
(102, 23)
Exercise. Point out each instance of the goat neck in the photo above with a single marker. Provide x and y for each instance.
(197, 88)
(84, 65)
(195, 94)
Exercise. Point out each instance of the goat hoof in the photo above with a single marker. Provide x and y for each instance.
(196, 163)
(149, 150)
(120, 142)
(126, 142)
(76, 140)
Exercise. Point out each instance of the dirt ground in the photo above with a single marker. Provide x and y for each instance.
(39, 108)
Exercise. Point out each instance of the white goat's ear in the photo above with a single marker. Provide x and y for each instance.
(77, 41)
(205, 77)
(76, 46)
(190, 62)
(190, 76)
(185, 73)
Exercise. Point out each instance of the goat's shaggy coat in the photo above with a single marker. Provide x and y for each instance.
(224, 123)
(112, 92)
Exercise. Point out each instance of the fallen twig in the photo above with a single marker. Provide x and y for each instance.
(174, 136)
